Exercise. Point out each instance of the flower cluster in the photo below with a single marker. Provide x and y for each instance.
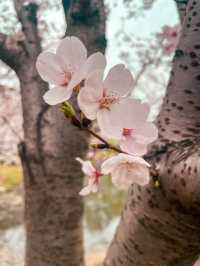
(104, 99)
(170, 38)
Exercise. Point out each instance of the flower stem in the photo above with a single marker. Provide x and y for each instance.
(69, 112)
(103, 140)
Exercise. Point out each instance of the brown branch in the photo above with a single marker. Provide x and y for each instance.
(10, 51)
(75, 121)
(108, 145)
(27, 15)
(87, 21)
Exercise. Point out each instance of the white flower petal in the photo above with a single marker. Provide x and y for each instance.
(94, 62)
(119, 80)
(130, 146)
(108, 123)
(94, 188)
(135, 159)
(123, 177)
(95, 81)
(140, 175)
(87, 167)
(49, 67)
(132, 111)
(145, 132)
(76, 79)
(88, 101)
(85, 191)
(125, 113)
(120, 177)
(109, 165)
(57, 95)
(72, 53)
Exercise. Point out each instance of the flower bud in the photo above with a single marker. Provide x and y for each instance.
(99, 146)
(76, 122)
(86, 122)
(68, 110)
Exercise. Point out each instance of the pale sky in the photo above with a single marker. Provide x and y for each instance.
(163, 12)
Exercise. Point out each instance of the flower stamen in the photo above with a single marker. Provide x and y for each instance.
(106, 101)
(67, 78)
(127, 132)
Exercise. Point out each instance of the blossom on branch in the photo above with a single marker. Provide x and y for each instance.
(119, 117)
(170, 37)
(126, 170)
(129, 125)
(93, 177)
(99, 97)
(67, 68)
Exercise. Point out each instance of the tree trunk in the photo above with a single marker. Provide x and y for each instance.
(52, 177)
(87, 20)
(53, 209)
(160, 225)
(181, 6)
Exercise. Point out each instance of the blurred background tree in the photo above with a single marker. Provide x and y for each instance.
(52, 178)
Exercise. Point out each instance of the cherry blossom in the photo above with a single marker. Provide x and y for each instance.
(170, 36)
(106, 99)
(99, 96)
(93, 177)
(126, 170)
(67, 68)
(129, 125)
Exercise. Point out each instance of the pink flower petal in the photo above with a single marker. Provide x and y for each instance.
(88, 101)
(95, 81)
(90, 94)
(72, 53)
(49, 68)
(126, 170)
(87, 167)
(135, 159)
(110, 164)
(120, 177)
(146, 132)
(119, 80)
(94, 62)
(123, 114)
(132, 111)
(94, 188)
(130, 146)
(143, 134)
(57, 95)
(76, 79)
(140, 175)
(85, 191)
(109, 124)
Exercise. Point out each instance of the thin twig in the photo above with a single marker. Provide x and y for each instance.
(103, 140)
